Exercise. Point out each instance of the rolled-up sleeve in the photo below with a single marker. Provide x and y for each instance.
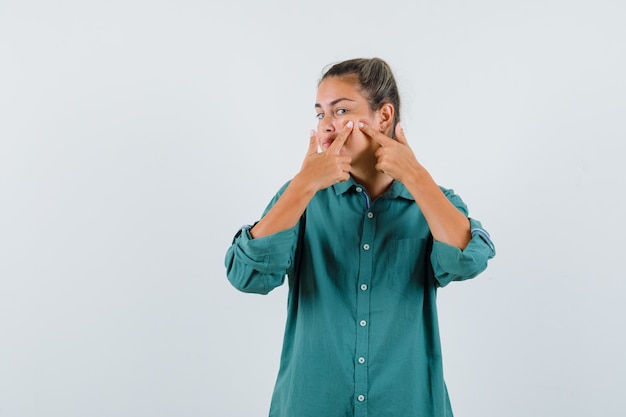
(453, 264)
(259, 265)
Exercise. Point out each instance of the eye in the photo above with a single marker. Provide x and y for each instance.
(342, 111)
(319, 116)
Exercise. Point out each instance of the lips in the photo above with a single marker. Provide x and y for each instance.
(326, 142)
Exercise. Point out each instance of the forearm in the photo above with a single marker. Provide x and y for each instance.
(447, 224)
(287, 211)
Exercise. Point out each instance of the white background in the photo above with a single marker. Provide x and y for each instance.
(136, 137)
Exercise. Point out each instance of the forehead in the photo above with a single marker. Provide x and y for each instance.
(332, 88)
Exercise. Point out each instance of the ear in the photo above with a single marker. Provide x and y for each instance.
(385, 115)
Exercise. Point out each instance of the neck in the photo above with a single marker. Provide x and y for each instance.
(375, 182)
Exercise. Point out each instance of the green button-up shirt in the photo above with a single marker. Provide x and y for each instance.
(362, 336)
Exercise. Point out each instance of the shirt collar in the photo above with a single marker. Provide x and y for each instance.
(343, 187)
(397, 189)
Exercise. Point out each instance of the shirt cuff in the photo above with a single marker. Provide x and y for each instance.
(268, 254)
(453, 264)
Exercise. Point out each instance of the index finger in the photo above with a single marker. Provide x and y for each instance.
(341, 138)
(314, 143)
(379, 137)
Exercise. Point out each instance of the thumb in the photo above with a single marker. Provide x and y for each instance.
(313, 144)
(400, 134)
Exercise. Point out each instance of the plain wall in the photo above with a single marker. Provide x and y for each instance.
(136, 137)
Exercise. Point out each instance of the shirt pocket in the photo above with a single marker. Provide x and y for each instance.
(405, 264)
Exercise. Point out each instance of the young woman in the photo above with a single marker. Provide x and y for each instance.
(365, 237)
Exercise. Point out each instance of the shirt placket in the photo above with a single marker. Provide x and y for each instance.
(361, 358)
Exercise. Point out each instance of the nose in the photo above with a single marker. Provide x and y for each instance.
(327, 124)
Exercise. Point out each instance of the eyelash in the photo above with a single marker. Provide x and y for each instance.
(340, 112)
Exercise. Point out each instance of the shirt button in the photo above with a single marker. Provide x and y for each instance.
(361, 360)
(359, 190)
(361, 398)
(363, 323)
(370, 215)
(366, 247)
(364, 287)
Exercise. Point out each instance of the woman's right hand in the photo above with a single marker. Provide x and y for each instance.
(322, 169)
(319, 170)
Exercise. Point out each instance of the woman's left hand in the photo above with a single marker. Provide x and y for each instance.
(394, 157)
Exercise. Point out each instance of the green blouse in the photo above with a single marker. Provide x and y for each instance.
(362, 335)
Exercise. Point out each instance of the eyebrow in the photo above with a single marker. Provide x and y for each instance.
(332, 103)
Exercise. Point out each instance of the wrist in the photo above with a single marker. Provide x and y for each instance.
(417, 178)
(303, 186)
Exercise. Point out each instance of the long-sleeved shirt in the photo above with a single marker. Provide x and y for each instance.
(362, 335)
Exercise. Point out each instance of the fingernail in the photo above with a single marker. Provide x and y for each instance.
(400, 125)
(312, 132)
(350, 124)
(361, 124)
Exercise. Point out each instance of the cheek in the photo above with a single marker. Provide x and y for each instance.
(358, 139)
(345, 121)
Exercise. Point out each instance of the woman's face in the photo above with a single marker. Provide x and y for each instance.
(338, 102)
